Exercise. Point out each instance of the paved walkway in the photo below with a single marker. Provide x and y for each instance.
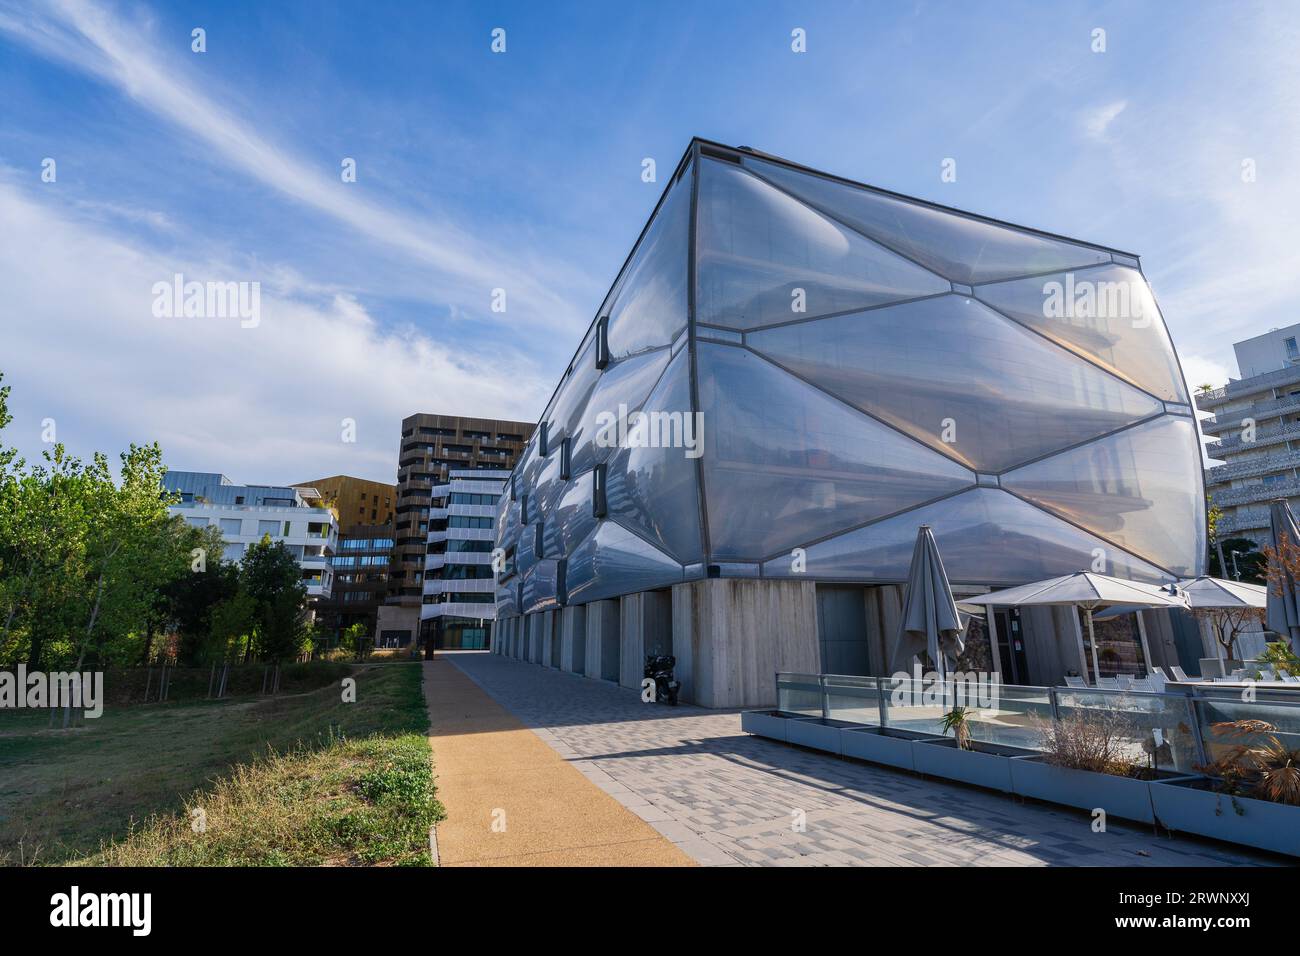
(513, 801)
(726, 798)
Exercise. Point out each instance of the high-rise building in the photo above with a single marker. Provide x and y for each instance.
(247, 513)
(459, 583)
(790, 375)
(1257, 423)
(431, 446)
(364, 510)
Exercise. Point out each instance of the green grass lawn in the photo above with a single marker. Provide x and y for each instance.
(301, 778)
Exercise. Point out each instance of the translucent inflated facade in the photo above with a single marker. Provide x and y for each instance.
(792, 372)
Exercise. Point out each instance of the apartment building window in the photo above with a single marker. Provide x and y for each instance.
(267, 527)
(197, 522)
(1291, 350)
(231, 525)
(467, 521)
(287, 526)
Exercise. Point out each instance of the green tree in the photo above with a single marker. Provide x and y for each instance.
(270, 575)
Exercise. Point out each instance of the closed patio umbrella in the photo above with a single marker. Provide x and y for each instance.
(1283, 615)
(930, 621)
(1088, 590)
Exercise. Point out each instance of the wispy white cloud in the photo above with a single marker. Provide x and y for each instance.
(95, 40)
(1097, 120)
(263, 404)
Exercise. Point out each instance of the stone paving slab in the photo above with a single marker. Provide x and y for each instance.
(726, 798)
(512, 800)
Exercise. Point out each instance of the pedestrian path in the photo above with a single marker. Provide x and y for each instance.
(726, 798)
(511, 800)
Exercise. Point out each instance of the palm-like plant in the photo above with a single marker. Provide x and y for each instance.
(1259, 764)
(958, 721)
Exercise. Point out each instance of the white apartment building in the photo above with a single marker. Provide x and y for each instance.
(459, 603)
(1257, 423)
(246, 513)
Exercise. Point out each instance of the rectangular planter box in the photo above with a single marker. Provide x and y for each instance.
(880, 745)
(816, 732)
(1190, 806)
(764, 723)
(1119, 796)
(989, 765)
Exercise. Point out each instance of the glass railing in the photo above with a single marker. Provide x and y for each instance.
(799, 694)
(1222, 731)
(856, 700)
(1178, 731)
(1156, 730)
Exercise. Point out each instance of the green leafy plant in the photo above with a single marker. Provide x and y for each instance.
(958, 721)
(1279, 656)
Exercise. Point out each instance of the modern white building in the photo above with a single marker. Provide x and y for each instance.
(246, 513)
(459, 603)
(1257, 423)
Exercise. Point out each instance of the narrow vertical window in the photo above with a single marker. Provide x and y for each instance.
(561, 585)
(543, 447)
(565, 453)
(537, 541)
(598, 491)
(602, 341)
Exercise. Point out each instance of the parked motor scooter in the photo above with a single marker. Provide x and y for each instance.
(659, 668)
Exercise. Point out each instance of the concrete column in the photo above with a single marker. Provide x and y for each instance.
(549, 651)
(602, 640)
(535, 638)
(731, 636)
(646, 622)
(573, 639)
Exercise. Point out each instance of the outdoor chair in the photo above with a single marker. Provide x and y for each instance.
(1071, 681)
(1159, 672)
(1180, 674)
(1143, 684)
(1290, 679)
(1125, 681)
(1109, 683)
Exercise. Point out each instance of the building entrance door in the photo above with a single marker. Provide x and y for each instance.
(1011, 646)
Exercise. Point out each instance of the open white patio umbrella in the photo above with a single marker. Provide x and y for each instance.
(1235, 601)
(1283, 616)
(1085, 589)
(930, 621)
(1206, 591)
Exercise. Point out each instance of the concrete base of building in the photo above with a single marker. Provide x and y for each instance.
(573, 640)
(646, 627)
(602, 649)
(395, 620)
(731, 636)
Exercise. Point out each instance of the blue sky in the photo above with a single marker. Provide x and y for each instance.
(522, 171)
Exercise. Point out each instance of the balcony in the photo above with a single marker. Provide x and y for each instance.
(1260, 492)
(1254, 466)
(1270, 435)
(1251, 520)
(1273, 408)
(1247, 386)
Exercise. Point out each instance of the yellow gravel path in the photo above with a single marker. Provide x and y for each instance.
(513, 801)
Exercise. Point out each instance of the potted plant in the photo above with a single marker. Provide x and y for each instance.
(1252, 795)
(961, 757)
(1088, 761)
